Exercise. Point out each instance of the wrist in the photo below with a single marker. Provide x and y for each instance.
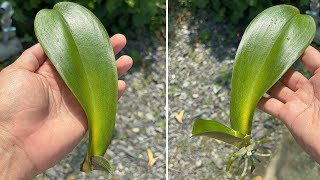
(14, 163)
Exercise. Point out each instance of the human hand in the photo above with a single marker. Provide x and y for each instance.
(40, 119)
(295, 100)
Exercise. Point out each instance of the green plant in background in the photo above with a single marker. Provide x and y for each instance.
(118, 16)
(205, 34)
(80, 49)
(272, 42)
(236, 10)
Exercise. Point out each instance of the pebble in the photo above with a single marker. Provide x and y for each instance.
(195, 96)
(149, 116)
(198, 163)
(218, 162)
(135, 130)
(52, 173)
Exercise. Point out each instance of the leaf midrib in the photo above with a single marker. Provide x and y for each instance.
(80, 57)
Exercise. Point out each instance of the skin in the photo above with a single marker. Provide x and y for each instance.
(295, 101)
(41, 121)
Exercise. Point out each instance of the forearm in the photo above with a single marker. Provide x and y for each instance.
(13, 161)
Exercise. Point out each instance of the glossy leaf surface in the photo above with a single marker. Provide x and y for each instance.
(79, 47)
(272, 42)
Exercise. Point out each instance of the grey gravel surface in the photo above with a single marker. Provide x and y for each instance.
(199, 82)
(140, 123)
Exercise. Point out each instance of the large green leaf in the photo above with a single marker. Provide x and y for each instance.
(272, 42)
(219, 131)
(80, 49)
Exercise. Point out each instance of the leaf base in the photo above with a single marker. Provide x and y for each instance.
(97, 163)
(217, 130)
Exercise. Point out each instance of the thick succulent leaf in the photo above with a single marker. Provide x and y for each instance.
(272, 42)
(219, 131)
(79, 47)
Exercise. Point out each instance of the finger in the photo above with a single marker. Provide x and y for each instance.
(293, 79)
(118, 42)
(124, 63)
(311, 59)
(121, 87)
(31, 59)
(280, 92)
(271, 106)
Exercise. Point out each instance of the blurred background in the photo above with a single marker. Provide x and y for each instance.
(140, 123)
(203, 39)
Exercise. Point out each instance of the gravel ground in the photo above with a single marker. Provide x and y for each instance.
(200, 64)
(140, 123)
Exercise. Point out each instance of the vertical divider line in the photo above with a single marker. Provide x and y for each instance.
(167, 86)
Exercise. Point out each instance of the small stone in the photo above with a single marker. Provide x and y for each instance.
(94, 175)
(119, 166)
(199, 163)
(185, 84)
(150, 116)
(140, 114)
(217, 160)
(150, 131)
(51, 172)
(135, 130)
(183, 96)
(195, 96)
(66, 165)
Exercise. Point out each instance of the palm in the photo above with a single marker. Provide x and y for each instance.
(46, 113)
(47, 121)
(302, 112)
(295, 101)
